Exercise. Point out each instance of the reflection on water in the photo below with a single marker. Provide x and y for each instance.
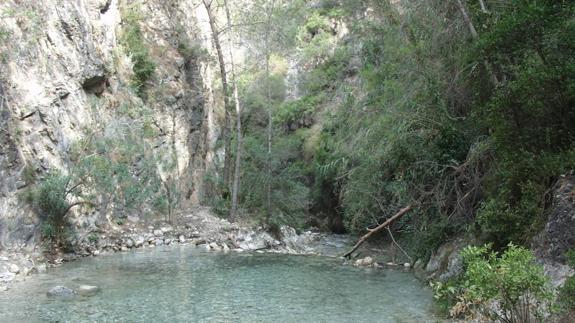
(182, 284)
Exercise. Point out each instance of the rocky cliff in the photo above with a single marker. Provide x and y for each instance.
(88, 86)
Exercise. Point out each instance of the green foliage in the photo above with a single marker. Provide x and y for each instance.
(529, 113)
(513, 280)
(93, 238)
(293, 111)
(50, 198)
(133, 41)
(290, 195)
(567, 292)
(29, 174)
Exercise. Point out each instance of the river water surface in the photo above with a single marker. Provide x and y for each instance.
(184, 284)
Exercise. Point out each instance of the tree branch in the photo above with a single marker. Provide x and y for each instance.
(377, 229)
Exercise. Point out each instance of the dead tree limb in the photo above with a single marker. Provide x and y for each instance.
(377, 229)
(397, 244)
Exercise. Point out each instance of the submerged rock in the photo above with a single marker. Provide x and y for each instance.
(61, 291)
(88, 290)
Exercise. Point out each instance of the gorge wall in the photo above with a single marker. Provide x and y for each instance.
(72, 103)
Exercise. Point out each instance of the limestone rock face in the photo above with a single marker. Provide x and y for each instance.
(558, 236)
(65, 79)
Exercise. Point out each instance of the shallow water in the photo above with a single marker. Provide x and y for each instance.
(183, 284)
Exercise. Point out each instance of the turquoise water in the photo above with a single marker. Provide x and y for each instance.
(183, 284)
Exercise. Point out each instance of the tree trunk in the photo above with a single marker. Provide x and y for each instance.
(483, 6)
(237, 168)
(225, 89)
(269, 130)
(377, 229)
(493, 78)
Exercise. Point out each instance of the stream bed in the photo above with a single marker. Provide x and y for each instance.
(186, 284)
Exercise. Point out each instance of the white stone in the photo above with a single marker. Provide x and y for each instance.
(88, 290)
(14, 269)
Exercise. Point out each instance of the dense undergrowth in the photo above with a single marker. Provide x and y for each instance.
(470, 121)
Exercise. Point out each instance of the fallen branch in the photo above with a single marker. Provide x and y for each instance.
(377, 229)
(397, 244)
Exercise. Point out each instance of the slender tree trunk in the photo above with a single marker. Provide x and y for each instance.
(475, 35)
(269, 130)
(483, 6)
(225, 89)
(237, 168)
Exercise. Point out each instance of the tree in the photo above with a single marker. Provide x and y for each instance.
(225, 90)
(237, 167)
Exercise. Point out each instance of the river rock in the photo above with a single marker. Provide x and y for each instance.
(88, 290)
(138, 241)
(168, 241)
(182, 239)
(159, 242)
(158, 233)
(61, 291)
(14, 269)
(41, 268)
(129, 243)
(367, 261)
(214, 246)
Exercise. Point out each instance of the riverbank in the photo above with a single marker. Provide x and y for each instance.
(198, 227)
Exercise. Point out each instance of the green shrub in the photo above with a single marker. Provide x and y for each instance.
(93, 238)
(133, 40)
(513, 280)
(50, 198)
(567, 292)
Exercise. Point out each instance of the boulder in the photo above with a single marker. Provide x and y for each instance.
(557, 237)
(158, 233)
(182, 239)
(61, 291)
